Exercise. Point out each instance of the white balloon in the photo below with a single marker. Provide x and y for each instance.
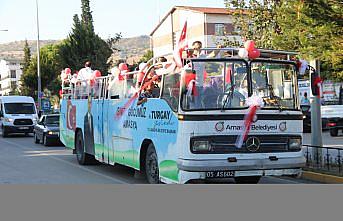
(243, 53)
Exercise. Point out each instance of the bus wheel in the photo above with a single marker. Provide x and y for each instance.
(247, 179)
(151, 165)
(82, 157)
(334, 132)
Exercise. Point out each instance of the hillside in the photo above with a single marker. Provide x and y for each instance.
(130, 48)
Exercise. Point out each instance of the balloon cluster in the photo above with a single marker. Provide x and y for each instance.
(249, 50)
(95, 75)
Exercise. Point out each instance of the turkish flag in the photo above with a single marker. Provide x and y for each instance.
(181, 46)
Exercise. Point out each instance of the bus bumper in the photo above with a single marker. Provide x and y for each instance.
(196, 169)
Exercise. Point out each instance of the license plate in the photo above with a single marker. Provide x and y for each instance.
(220, 174)
(23, 128)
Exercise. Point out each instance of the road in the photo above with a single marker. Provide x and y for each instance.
(23, 162)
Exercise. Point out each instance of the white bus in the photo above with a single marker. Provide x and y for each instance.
(187, 127)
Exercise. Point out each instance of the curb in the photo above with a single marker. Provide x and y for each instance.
(322, 178)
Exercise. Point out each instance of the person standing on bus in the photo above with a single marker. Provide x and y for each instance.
(84, 76)
(85, 73)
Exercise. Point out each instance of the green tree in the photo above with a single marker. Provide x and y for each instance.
(83, 44)
(50, 65)
(255, 20)
(147, 56)
(315, 29)
(27, 56)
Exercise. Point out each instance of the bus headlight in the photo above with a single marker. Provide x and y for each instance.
(201, 146)
(294, 144)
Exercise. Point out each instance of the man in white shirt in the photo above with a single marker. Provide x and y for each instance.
(84, 76)
(85, 73)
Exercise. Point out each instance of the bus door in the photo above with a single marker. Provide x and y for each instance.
(98, 122)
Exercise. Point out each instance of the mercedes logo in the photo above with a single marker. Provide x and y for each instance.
(253, 144)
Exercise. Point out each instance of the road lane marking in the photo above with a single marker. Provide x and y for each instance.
(69, 163)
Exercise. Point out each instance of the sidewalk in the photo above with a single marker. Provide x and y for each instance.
(321, 177)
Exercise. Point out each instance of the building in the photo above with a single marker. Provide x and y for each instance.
(208, 25)
(10, 73)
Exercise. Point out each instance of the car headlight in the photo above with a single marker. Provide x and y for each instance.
(9, 120)
(294, 144)
(52, 133)
(201, 146)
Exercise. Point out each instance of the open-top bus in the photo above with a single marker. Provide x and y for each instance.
(187, 131)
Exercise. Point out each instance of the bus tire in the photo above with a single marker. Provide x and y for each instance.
(334, 132)
(247, 179)
(151, 165)
(82, 157)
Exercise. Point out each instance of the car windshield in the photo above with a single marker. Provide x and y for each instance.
(52, 120)
(19, 108)
(215, 85)
(274, 82)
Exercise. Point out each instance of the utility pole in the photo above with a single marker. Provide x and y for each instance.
(316, 121)
(38, 64)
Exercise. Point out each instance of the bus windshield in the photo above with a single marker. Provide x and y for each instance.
(19, 108)
(215, 86)
(274, 82)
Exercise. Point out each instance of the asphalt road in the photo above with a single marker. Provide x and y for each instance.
(23, 162)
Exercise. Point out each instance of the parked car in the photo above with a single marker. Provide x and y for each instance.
(333, 114)
(47, 130)
(18, 114)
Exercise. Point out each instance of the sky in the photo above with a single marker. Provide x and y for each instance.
(130, 17)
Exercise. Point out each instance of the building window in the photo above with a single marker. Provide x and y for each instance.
(13, 74)
(13, 85)
(219, 29)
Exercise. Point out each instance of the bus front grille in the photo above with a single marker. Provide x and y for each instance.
(227, 144)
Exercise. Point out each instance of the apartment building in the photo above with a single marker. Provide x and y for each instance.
(10, 73)
(208, 25)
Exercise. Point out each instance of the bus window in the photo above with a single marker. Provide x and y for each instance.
(171, 90)
(216, 85)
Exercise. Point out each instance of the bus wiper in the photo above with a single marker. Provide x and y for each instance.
(229, 95)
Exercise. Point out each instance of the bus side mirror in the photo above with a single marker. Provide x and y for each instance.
(314, 81)
(1, 114)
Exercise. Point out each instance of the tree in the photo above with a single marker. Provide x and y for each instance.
(83, 44)
(147, 56)
(27, 56)
(255, 20)
(314, 28)
(51, 66)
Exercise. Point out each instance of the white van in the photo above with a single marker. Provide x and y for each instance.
(18, 114)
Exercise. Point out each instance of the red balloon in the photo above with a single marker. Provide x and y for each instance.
(123, 67)
(67, 71)
(249, 45)
(254, 54)
(97, 74)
